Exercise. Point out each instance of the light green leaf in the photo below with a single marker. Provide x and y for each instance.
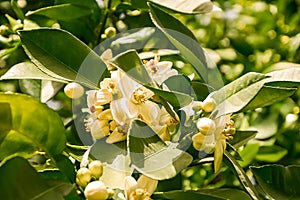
(236, 95)
(27, 70)
(31, 126)
(284, 78)
(268, 95)
(271, 154)
(20, 181)
(31, 87)
(17, 9)
(151, 156)
(186, 6)
(248, 154)
(182, 38)
(207, 194)
(63, 12)
(278, 181)
(62, 56)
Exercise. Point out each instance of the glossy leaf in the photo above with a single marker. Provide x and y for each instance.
(31, 126)
(209, 194)
(27, 70)
(130, 63)
(29, 184)
(152, 156)
(285, 78)
(63, 12)
(269, 95)
(236, 95)
(61, 55)
(271, 154)
(278, 181)
(186, 6)
(241, 138)
(182, 38)
(179, 83)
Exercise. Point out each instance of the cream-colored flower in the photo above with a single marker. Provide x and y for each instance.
(96, 190)
(96, 168)
(141, 189)
(83, 176)
(160, 71)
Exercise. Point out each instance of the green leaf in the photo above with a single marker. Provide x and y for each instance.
(240, 173)
(236, 95)
(61, 55)
(240, 138)
(27, 70)
(209, 194)
(272, 153)
(62, 12)
(131, 64)
(182, 38)
(248, 154)
(17, 9)
(151, 156)
(268, 95)
(179, 83)
(186, 6)
(20, 181)
(284, 78)
(32, 126)
(278, 181)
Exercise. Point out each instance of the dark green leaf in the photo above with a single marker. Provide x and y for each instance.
(237, 94)
(279, 181)
(63, 12)
(151, 156)
(240, 138)
(61, 55)
(32, 127)
(211, 194)
(240, 173)
(20, 181)
(182, 38)
(179, 83)
(17, 9)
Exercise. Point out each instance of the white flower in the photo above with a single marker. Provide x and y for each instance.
(96, 190)
(141, 189)
(160, 71)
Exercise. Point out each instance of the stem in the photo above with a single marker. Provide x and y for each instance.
(103, 22)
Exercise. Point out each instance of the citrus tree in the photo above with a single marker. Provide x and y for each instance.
(152, 99)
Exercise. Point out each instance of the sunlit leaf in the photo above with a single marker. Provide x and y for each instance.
(62, 12)
(269, 95)
(61, 55)
(29, 184)
(27, 70)
(248, 154)
(186, 6)
(152, 156)
(278, 181)
(32, 126)
(284, 78)
(237, 94)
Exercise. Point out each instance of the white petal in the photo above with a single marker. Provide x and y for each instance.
(149, 111)
(91, 97)
(147, 183)
(122, 110)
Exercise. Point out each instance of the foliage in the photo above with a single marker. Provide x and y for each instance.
(218, 120)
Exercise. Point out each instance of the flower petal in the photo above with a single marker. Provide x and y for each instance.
(149, 184)
(122, 110)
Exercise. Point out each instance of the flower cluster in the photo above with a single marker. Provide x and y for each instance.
(128, 100)
(212, 132)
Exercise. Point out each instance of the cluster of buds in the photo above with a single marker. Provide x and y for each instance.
(88, 178)
(212, 132)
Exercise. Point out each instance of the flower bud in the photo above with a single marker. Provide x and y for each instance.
(74, 90)
(206, 125)
(96, 190)
(83, 176)
(208, 105)
(96, 168)
(110, 32)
